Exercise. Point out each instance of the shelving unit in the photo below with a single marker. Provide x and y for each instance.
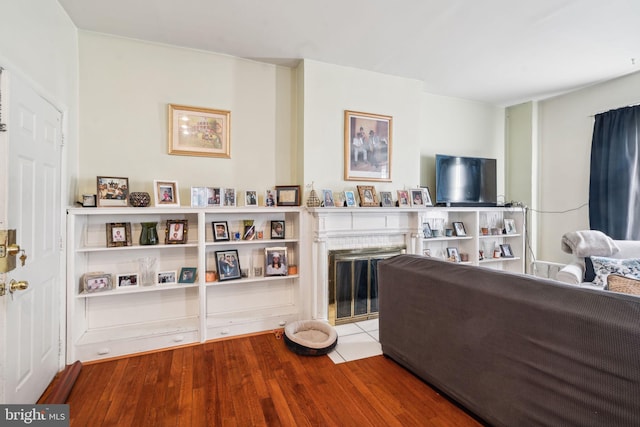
(474, 241)
(129, 320)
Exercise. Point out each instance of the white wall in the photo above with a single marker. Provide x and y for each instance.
(565, 132)
(125, 87)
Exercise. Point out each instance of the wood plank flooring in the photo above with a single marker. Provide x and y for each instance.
(254, 381)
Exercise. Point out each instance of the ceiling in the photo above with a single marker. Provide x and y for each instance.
(501, 52)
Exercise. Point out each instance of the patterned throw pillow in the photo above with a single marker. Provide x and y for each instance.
(623, 267)
(625, 285)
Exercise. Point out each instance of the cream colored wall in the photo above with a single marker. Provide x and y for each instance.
(565, 132)
(125, 87)
(459, 127)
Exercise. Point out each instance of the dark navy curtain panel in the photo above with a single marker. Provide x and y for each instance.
(614, 188)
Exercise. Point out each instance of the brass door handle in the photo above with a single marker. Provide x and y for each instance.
(18, 286)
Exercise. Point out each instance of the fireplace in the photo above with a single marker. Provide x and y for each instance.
(353, 283)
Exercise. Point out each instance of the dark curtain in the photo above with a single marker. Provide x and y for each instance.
(614, 187)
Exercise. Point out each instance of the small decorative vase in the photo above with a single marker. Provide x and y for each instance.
(139, 199)
(149, 234)
(147, 266)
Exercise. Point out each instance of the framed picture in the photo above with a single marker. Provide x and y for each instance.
(505, 250)
(350, 199)
(368, 196)
(270, 198)
(166, 193)
(453, 255)
(275, 261)
(459, 229)
(339, 199)
(277, 229)
(288, 195)
(198, 197)
(229, 197)
(367, 146)
(426, 252)
(197, 131)
(167, 277)
(427, 196)
(426, 230)
(127, 280)
(118, 234)
(403, 199)
(96, 282)
(510, 226)
(88, 200)
(220, 231)
(187, 275)
(249, 232)
(417, 197)
(112, 191)
(214, 196)
(251, 198)
(228, 265)
(327, 199)
(386, 199)
(176, 231)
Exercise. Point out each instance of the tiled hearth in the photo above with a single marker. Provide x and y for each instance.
(356, 341)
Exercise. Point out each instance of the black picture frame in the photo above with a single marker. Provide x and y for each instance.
(453, 253)
(220, 231)
(288, 195)
(228, 265)
(505, 251)
(275, 229)
(426, 230)
(459, 228)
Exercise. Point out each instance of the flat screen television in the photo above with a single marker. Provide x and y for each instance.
(465, 181)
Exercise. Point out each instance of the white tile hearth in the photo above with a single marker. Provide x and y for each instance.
(356, 341)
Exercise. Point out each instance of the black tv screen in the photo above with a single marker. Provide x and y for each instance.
(465, 181)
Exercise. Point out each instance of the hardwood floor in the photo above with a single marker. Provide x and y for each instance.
(254, 381)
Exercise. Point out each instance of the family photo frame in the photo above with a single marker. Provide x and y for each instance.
(167, 277)
(288, 195)
(166, 193)
(125, 281)
(228, 265)
(118, 234)
(96, 282)
(367, 146)
(368, 197)
(176, 231)
(277, 229)
(276, 261)
(112, 191)
(188, 275)
(198, 131)
(220, 231)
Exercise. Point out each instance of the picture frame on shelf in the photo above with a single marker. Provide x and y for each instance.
(88, 200)
(459, 229)
(339, 199)
(276, 261)
(167, 277)
(125, 281)
(368, 196)
(228, 265)
(417, 197)
(270, 198)
(166, 193)
(427, 252)
(112, 191)
(188, 275)
(277, 229)
(220, 231)
(288, 195)
(199, 197)
(403, 199)
(427, 196)
(350, 199)
(453, 254)
(214, 197)
(96, 282)
(118, 234)
(249, 232)
(367, 146)
(509, 226)
(327, 199)
(229, 199)
(251, 198)
(199, 131)
(426, 230)
(505, 251)
(176, 231)
(386, 199)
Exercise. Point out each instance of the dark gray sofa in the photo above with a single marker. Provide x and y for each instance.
(515, 350)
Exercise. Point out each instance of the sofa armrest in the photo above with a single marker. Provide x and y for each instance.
(572, 273)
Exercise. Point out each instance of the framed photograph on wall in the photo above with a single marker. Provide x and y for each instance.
(112, 191)
(166, 193)
(368, 197)
(118, 234)
(367, 146)
(197, 131)
(176, 231)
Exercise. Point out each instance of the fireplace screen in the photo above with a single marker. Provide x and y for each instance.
(353, 283)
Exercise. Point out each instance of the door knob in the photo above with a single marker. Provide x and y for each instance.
(18, 286)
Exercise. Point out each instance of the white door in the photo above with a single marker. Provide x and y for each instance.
(30, 192)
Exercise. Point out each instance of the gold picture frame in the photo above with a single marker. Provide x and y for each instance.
(368, 196)
(118, 234)
(367, 146)
(198, 131)
(112, 191)
(176, 232)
